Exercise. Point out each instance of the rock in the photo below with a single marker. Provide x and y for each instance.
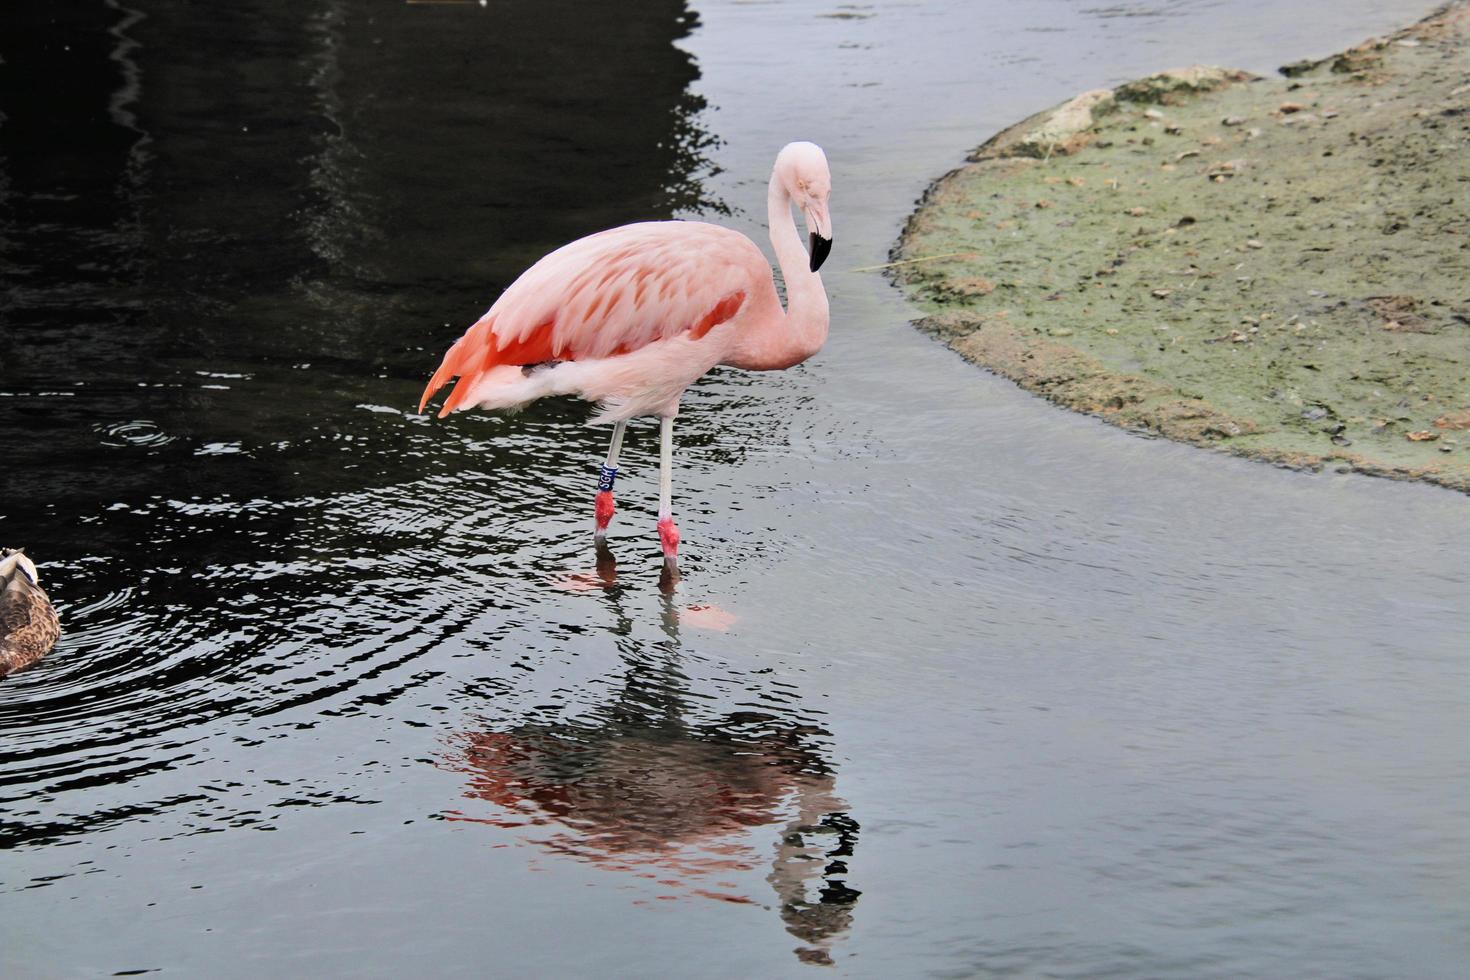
(1398, 314)
(1454, 420)
(1423, 435)
(1287, 108)
(1060, 131)
(1233, 121)
(1177, 84)
(1314, 413)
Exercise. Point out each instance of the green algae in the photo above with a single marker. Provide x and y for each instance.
(1275, 268)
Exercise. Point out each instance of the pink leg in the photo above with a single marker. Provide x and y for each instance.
(668, 532)
(668, 536)
(603, 508)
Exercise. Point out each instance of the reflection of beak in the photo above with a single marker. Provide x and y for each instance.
(820, 227)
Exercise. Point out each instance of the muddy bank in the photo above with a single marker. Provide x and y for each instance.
(1277, 268)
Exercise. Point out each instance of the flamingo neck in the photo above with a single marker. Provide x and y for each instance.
(805, 326)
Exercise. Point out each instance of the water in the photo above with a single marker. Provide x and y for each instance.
(956, 684)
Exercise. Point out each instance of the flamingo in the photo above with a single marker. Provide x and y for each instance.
(632, 316)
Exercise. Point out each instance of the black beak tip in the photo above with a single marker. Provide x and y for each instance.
(821, 247)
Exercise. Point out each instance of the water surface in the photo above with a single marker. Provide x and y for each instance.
(985, 688)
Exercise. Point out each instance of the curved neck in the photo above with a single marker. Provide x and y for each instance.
(806, 300)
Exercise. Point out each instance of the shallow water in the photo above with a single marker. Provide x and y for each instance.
(957, 683)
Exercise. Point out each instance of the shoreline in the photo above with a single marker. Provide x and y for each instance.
(1274, 268)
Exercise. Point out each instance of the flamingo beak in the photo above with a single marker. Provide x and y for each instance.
(820, 226)
(821, 247)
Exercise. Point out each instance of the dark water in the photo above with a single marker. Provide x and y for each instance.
(956, 683)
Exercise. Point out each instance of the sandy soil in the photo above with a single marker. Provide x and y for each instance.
(1277, 268)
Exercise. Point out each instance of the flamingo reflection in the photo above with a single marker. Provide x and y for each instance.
(639, 786)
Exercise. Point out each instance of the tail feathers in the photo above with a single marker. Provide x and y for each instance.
(479, 351)
(476, 340)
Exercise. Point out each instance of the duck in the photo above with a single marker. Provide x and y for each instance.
(29, 627)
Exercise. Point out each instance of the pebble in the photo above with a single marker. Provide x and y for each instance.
(1315, 413)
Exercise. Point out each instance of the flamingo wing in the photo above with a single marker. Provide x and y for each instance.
(605, 295)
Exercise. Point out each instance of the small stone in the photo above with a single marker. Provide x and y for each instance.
(1112, 331)
(1423, 435)
(1060, 331)
(1341, 440)
(1314, 413)
(1453, 420)
(1446, 449)
(1138, 212)
(1162, 293)
(1233, 121)
(1287, 108)
(1043, 204)
(1186, 155)
(1254, 243)
(1174, 130)
(1153, 114)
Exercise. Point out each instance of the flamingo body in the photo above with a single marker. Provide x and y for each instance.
(629, 317)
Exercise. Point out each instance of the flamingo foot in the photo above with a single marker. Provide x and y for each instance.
(668, 536)
(604, 513)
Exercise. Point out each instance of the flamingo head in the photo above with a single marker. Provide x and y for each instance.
(801, 169)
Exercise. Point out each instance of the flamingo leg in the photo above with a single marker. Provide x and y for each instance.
(668, 533)
(604, 503)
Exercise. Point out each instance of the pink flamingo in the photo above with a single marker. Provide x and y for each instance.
(632, 316)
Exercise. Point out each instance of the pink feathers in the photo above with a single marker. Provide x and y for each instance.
(606, 296)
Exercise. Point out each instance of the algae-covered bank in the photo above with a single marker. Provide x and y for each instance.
(1276, 268)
